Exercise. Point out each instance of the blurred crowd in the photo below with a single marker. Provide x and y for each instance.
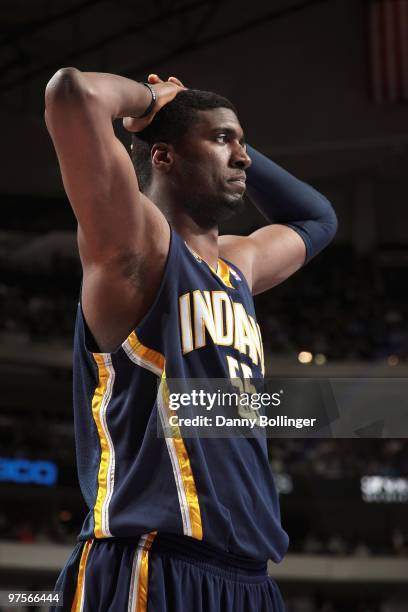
(38, 301)
(335, 544)
(51, 527)
(340, 458)
(38, 438)
(341, 306)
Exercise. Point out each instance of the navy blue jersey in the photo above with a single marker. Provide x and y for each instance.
(202, 324)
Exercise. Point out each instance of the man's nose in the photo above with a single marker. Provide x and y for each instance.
(240, 158)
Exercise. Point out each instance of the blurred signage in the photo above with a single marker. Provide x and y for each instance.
(24, 471)
(384, 489)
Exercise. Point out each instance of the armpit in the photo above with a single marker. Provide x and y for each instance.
(133, 267)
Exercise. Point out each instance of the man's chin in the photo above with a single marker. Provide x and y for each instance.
(208, 214)
(233, 205)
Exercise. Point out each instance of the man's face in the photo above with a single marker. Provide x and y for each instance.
(210, 166)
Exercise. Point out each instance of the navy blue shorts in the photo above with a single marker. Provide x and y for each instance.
(163, 574)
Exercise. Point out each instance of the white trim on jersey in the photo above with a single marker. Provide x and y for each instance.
(139, 360)
(184, 509)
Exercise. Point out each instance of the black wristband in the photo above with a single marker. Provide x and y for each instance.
(152, 103)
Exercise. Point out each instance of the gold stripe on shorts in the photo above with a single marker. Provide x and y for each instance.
(139, 581)
(144, 574)
(77, 604)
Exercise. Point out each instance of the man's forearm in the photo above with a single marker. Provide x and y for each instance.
(284, 199)
(117, 95)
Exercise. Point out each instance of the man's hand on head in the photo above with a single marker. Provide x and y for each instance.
(165, 92)
(153, 79)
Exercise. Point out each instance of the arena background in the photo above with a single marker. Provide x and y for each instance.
(322, 88)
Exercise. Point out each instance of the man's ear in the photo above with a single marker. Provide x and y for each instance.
(162, 156)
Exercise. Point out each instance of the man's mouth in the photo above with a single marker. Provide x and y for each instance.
(238, 180)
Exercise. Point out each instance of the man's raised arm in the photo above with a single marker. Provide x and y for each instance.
(123, 237)
(303, 224)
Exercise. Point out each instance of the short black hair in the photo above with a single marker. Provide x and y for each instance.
(170, 124)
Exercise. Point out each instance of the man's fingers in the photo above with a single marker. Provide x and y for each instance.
(154, 78)
(175, 80)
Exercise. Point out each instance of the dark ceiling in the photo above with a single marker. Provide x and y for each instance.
(123, 36)
(296, 69)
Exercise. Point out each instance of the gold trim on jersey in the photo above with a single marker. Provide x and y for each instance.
(106, 473)
(143, 355)
(222, 271)
(77, 604)
(187, 493)
(183, 474)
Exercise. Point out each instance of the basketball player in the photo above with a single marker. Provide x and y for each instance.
(174, 524)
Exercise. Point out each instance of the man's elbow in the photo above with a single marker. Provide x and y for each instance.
(331, 222)
(67, 86)
(319, 233)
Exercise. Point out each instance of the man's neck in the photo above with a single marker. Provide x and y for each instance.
(203, 241)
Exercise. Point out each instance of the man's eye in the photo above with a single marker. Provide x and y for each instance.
(221, 137)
